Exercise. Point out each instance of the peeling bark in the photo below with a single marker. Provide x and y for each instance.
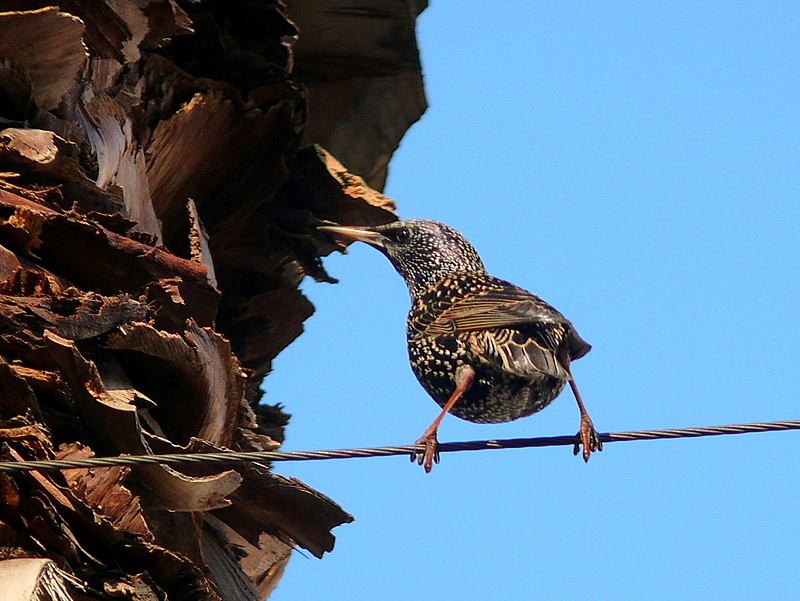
(161, 181)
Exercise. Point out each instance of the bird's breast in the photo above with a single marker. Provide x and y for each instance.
(495, 396)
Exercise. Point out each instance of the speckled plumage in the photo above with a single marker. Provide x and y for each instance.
(516, 371)
(484, 349)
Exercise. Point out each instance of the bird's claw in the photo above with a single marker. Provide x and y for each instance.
(589, 438)
(428, 457)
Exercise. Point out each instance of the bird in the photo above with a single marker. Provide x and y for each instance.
(486, 350)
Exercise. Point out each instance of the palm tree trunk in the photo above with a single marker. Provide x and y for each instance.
(163, 166)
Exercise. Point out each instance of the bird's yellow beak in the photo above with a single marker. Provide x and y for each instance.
(353, 232)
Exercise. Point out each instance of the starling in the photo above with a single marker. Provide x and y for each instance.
(487, 351)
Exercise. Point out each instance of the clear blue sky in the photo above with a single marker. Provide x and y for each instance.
(637, 164)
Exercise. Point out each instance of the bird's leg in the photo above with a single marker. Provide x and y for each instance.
(590, 439)
(465, 375)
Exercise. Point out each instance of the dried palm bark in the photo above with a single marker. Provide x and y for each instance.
(160, 182)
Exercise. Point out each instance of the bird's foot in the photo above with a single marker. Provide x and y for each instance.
(431, 453)
(589, 438)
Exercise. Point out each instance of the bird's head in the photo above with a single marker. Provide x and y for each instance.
(422, 251)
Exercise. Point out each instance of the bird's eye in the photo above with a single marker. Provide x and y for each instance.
(400, 235)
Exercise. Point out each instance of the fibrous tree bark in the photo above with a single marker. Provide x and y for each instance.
(163, 166)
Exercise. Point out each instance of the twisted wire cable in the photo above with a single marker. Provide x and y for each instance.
(239, 457)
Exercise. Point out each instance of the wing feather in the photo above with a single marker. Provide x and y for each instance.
(493, 308)
(515, 330)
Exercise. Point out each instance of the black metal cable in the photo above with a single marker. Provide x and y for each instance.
(234, 457)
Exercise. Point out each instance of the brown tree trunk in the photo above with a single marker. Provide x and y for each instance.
(162, 172)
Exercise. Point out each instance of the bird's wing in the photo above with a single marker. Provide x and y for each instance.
(516, 352)
(508, 307)
(514, 329)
